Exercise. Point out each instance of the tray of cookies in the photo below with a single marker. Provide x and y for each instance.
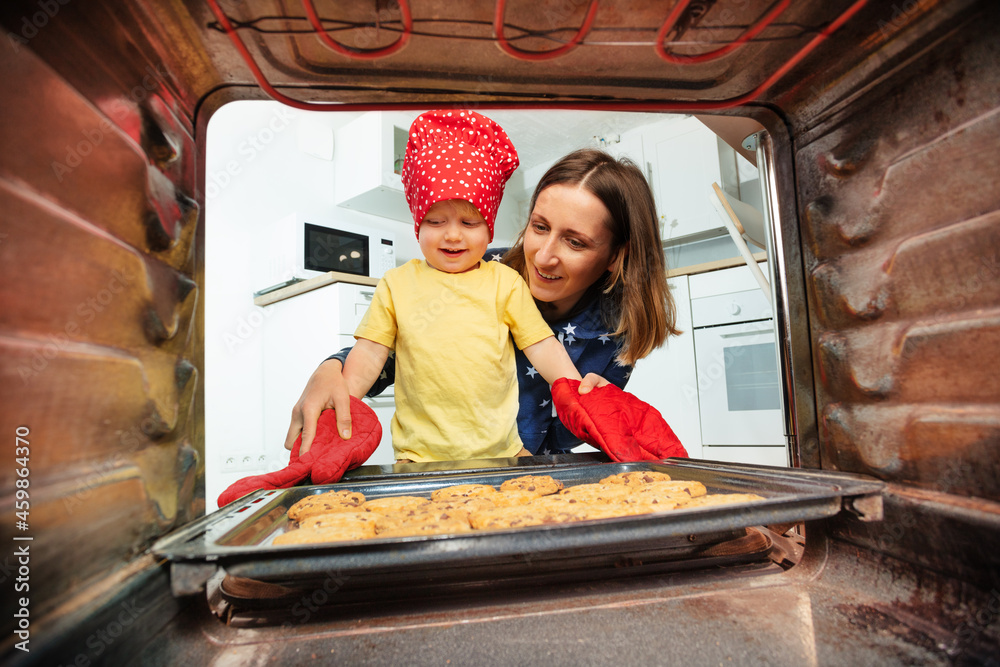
(485, 521)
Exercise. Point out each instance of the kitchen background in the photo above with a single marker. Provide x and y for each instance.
(716, 384)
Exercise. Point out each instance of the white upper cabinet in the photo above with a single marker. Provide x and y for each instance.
(683, 158)
(628, 145)
(679, 155)
(368, 158)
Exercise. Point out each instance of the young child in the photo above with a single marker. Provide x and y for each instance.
(450, 317)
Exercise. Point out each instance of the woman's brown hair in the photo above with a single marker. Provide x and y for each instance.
(637, 303)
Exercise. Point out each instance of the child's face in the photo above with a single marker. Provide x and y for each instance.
(453, 236)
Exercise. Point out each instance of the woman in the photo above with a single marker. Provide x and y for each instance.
(592, 258)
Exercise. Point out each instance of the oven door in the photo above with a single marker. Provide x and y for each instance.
(739, 391)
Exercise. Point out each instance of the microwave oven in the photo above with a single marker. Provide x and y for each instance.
(304, 247)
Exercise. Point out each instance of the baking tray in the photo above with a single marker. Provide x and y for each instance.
(239, 536)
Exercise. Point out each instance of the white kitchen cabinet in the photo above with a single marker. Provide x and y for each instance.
(299, 333)
(682, 382)
(683, 158)
(368, 159)
(667, 378)
(739, 387)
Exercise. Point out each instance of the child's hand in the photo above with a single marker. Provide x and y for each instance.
(326, 389)
(590, 381)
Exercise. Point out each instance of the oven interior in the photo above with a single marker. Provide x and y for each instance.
(882, 123)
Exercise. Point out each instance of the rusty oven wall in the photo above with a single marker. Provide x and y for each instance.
(899, 214)
(100, 266)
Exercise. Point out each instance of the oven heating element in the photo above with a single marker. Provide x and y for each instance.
(499, 33)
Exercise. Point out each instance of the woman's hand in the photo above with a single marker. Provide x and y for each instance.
(326, 389)
(591, 381)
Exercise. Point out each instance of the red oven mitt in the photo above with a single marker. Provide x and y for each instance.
(326, 461)
(622, 426)
(336, 455)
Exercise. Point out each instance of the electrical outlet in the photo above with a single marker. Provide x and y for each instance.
(230, 463)
(242, 461)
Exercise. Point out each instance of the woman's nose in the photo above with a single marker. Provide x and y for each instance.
(546, 254)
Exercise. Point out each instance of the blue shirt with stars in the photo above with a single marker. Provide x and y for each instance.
(590, 346)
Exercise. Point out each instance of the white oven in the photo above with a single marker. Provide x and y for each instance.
(739, 389)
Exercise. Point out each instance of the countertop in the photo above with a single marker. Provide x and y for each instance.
(337, 277)
(705, 267)
(304, 286)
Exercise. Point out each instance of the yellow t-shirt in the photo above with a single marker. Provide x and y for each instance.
(456, 388)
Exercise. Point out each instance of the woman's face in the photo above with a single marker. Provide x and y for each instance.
(567, 246)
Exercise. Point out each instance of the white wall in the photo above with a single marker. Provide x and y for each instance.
(255, 175)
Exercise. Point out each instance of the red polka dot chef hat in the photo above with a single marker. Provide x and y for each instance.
(456, 154)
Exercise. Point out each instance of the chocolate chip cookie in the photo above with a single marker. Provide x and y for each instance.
(459, 491)
(391, 504)
(432, 520)
(540, 485)
(326, 503)
(636, 478)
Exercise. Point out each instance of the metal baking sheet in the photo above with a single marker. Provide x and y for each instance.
(239, 536)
